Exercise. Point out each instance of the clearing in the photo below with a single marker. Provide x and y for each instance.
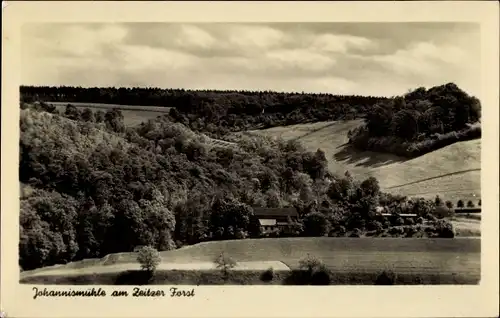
(452, 172)
(133, 115)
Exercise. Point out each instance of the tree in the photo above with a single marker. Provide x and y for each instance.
(405, 124)
(148, 257)
(479, 202)
(449, 204)
(72, 112)
(316, 224)
(460, 204)
(370, 186)
(470, 204)
(225, 263)
(438, 201)
(88, 115)
(229, 217)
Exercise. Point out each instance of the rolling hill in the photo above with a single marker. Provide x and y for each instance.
(453, 172)
(439, 256)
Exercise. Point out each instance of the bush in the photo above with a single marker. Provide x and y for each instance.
(399, 221)
(267, 275)
(386, 278)
(375, 226)
(148, 257)
(224, 263)
(396, 231)
(311, 264)
(409, 221)
(420, 220)
(444, 229)
(321, 277)
(355, 233)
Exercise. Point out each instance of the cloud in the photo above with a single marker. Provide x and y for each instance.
(254, 37)
(193, 37)
(340, 43)
(347, 58)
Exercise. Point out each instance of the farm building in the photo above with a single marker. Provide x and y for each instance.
(271, 219)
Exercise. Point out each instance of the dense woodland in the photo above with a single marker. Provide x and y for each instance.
(218, 112)
(420, 121)
(91, 186)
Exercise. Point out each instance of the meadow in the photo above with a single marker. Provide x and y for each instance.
(452, 172)
(345, 257)
(133, 115)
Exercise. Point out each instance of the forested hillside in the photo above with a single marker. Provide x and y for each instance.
(219, 112)
(420, 121)
(91, 186)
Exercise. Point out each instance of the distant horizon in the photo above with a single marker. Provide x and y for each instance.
(244, 90)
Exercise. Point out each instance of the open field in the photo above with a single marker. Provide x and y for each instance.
(459, 256)
(467, 226)
(133, 115)
(453, 172)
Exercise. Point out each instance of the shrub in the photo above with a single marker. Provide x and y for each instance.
(375, 226)
(470, 204)
(311, 264)
(399, 221)
(321, 277)
(148, 257)
(409, 221)
(224, 263)
(355, 233)
(386, 278)
(267, 275)
(420, 220)
(444, 229)
(460, 204)
(410, 230)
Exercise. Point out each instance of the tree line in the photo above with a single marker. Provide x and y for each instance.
(218, 112)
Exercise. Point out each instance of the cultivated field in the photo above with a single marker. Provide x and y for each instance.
(133, 115)
(453, 172)
(342, 255)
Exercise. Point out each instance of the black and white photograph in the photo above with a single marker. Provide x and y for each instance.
(191, 154)
(228, 153)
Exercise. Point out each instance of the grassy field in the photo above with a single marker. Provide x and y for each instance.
(249, 277)
(452, 172)
(343, 256)
(133, 115)
(467, 225)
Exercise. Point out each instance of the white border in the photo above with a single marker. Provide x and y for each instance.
(253, 301)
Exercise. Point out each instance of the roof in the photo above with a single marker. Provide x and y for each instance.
(267, 222)
(275, 212)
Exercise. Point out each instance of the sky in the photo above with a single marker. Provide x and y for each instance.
(382, 59)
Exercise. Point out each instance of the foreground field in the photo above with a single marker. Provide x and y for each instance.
(343, 256)
(132, 115)
(453, 172)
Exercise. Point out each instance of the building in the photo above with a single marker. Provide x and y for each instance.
(271, 219)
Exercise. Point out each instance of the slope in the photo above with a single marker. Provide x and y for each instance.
(339, 254)
(453, 172)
